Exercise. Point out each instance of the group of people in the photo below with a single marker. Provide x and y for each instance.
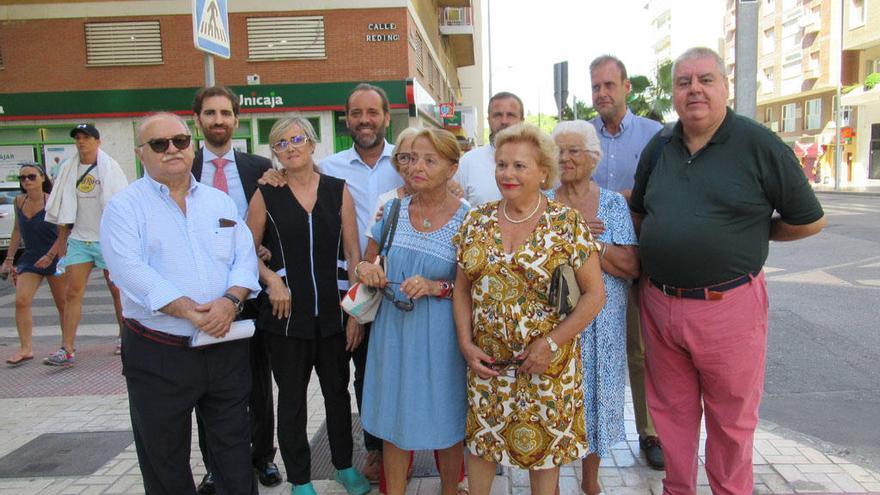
(665, 229)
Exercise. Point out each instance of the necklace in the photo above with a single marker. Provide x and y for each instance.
(426, 224)
(504, 212)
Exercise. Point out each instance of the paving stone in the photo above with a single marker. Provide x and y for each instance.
(847, 483)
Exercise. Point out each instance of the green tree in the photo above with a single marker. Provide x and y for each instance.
(545, 122)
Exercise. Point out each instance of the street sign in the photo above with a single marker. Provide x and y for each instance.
(447, 110)
(211, 27)
(560, 85)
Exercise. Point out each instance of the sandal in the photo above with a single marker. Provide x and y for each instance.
(463, 488)
(18, 359)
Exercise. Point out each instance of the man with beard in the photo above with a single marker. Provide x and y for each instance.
(622, 136)
(217, 164)
(367, 170)
(476, 170)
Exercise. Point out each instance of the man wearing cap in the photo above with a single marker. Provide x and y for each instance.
(86, 181)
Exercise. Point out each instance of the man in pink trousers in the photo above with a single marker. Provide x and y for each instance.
(710, 193)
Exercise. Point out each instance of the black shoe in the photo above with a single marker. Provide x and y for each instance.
(653, 452)
(268, 474)
(206, 487)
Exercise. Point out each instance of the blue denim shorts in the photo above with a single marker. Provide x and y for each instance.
(84, 252)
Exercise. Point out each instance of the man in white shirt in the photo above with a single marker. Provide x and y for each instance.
(184, 262)
(476, 170)
(84, 186)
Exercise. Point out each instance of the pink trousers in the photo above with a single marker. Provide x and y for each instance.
(706, 354)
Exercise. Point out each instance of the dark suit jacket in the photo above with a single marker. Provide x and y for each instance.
(250, 168)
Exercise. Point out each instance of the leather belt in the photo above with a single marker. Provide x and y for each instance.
(711, 293)
(155, 335)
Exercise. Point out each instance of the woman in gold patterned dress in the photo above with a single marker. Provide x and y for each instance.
(525, 401)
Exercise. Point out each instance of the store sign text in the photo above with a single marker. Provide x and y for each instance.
(388, 26)
(270, 101)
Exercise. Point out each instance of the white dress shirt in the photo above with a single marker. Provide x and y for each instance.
(233, 180)
(156, 254)
(476, 175)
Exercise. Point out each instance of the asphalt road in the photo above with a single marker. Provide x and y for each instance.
(823, 358)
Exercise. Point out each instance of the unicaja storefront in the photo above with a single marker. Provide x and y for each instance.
(36, 126)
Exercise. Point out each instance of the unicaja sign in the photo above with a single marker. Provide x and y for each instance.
(253, 100)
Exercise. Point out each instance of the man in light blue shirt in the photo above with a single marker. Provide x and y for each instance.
(183, 262)
(367, 170)
(623, 136)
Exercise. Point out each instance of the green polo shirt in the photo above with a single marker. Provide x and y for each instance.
(707, 215)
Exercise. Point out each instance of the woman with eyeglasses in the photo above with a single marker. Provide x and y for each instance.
(299, 307)
(603, 343)
(414, 394)
(40, 257)
(525, 394)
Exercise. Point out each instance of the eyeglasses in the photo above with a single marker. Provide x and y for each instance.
(160, 145)
(572, 152)
(389, 294)
(23, 178)
(294, 142)
(413, 158)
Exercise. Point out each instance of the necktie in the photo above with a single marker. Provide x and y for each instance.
(220, 175)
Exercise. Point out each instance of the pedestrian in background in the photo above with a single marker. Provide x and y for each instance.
(40, 257)
(603, 343)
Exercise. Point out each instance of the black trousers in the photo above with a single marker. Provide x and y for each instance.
(292, 362)
(165, 383)
(359, 358)
(261, 406)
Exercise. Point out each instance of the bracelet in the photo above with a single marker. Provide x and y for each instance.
(357, 268)
(602, 250)
(446, 289)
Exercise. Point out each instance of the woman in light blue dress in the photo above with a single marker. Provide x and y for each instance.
(603, 343)
(415, 383)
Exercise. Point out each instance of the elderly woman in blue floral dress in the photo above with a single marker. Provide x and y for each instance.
(603, 343)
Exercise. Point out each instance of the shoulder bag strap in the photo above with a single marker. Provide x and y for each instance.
(390, 226)
(83, 176)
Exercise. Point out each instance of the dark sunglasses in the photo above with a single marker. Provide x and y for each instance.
(23, 178)
(400, 304)
(160, 145)
(294, 142)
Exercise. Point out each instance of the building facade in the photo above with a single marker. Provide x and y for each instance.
(110, 62)
(677, 25)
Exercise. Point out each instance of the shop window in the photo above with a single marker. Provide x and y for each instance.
(264, 126)
(123, 43)
(286, 38)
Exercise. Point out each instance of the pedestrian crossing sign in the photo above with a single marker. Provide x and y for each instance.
(211, 26)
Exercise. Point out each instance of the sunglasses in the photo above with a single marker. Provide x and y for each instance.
(400, 304)
(23, 178)
(294, 142)
(160, 145)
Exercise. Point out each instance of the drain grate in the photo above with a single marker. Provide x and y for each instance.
(64, 454)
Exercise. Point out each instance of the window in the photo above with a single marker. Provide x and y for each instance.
(792, 34)
(814, 114)
(814, 61)
(769, 42)
(788, 117)
(286, 38)
(415, 41)
(767, 84)
(857, 13)
(768, 115)
(123, 43)
(1, 59)
(872, 66)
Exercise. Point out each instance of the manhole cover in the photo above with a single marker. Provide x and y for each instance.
(64, 454)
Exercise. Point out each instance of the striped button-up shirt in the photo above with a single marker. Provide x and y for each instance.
(155, 253)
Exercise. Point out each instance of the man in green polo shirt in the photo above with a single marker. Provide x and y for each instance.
(703, 202)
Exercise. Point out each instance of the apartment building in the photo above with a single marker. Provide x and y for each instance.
(861, 77)
(110, 62)
(677, 25)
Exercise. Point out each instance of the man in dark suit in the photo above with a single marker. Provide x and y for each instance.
(217, 164)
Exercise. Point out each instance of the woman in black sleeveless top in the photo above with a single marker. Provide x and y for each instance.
(303, 225)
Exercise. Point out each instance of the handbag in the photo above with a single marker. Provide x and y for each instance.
(361, 302)
(564, 290)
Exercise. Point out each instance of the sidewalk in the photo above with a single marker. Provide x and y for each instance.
(90, 397)
(869, 190)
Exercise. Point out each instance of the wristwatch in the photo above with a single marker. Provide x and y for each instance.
(553, 347)
(236, 301)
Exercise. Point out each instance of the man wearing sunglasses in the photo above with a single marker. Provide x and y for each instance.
(217, 164)
(86, 181)
(183, 260)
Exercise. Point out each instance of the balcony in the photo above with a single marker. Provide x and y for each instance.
(458, 25)
(453, 3)
(811, 23)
